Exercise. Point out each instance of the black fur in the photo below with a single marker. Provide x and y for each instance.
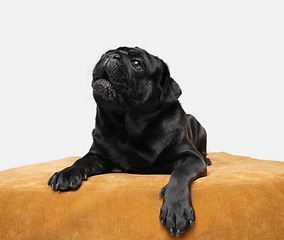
(142, 128)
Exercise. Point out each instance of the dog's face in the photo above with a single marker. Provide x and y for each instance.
(127, 78)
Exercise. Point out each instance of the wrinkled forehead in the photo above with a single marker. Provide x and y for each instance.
(134, 51)
(139, 53)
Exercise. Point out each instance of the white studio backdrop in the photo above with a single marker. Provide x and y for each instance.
(226, 55)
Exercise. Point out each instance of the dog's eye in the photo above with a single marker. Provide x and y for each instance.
(136, 65)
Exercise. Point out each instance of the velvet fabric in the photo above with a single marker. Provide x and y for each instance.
(241, 198)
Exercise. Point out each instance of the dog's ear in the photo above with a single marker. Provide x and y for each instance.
(170, 88)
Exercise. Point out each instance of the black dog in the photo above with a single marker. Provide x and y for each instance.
(142, 128)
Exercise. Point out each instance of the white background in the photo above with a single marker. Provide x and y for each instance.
(228, 57)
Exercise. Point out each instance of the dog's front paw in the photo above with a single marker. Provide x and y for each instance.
(176, 212)
(68, 179)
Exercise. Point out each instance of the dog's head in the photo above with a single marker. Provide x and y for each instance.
(127, 78)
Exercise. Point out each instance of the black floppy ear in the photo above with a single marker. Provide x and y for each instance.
(170, 88)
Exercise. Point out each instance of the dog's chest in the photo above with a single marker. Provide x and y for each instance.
(147, 145)
(127, 153)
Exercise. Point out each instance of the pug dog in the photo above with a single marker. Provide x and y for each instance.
(141, 128)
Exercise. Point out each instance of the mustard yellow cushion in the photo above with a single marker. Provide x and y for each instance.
(241, 198)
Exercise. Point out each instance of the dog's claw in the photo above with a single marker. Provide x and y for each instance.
(178, 233)
(73, 186)
(172, 232)
(162, 192)
(57, 186)
(163, 222)
(191, 224)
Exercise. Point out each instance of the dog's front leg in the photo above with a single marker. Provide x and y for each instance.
(177, 212)
(71, 177)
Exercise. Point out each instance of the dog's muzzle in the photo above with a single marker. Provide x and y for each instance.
(103, 88)
(109, 76)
